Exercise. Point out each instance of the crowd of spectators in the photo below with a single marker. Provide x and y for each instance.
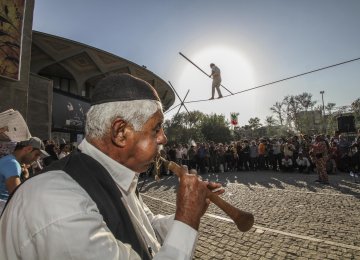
(297, 153)
(55, 150)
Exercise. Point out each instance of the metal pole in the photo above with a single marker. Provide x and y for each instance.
(182, 101)
(322, 97)
(201, 70)
(323, 109)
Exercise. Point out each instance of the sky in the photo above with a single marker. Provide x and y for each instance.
(253, 42)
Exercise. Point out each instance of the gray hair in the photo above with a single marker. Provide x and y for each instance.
(136, 112)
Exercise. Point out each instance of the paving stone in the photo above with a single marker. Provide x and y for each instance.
(294, 217)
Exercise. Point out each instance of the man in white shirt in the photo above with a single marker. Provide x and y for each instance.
(286, 164)
(64, 150)
(77, 207)
(303, 163)
(216, 76)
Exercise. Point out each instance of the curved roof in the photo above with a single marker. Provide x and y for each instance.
(59, 57)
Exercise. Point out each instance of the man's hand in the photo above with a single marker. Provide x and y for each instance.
(4, 129)
(25, 171)
(191, 201)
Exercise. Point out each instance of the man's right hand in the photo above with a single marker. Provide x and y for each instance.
(191, 201)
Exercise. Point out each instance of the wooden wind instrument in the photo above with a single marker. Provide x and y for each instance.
(243, 220)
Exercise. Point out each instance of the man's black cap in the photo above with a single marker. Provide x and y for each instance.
(122, 87)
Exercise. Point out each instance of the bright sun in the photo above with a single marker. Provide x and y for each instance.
(236, 72)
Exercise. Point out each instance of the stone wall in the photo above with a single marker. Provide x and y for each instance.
(14, 94)
(40, 106)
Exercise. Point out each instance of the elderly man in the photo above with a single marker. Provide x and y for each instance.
(85, 206)
(216, 76)
(26, 152)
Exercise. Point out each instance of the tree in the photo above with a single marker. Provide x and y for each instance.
(215, 128)
(355, 105)
(180, 129)
(305, 101)
(254, 123)
(329, 107)
(277, 109)
(194, 118)
(296, 108)
(270, 121)
(331, 122)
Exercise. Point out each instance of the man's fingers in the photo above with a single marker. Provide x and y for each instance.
(215, 188)
(208, 202)
(192, 171)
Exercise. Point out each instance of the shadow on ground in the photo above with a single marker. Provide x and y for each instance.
(340, 182)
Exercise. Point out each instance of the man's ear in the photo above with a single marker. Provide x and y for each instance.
(120, 130)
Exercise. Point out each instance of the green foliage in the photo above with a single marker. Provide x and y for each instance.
(302, 114)
(294, 114)
(197, 126)
(356, 108)
(254, 123)
(215, 128)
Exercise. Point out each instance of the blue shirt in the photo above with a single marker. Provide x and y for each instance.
(9, 167)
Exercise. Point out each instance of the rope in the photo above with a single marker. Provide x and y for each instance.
(271, 83)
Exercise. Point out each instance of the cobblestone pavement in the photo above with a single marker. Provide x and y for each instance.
(295, 218)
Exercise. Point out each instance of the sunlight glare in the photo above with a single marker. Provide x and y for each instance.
(236, 72)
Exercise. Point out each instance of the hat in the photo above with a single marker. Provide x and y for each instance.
(122, 87)
(36, 143)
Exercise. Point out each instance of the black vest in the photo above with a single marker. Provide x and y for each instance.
(102, 189)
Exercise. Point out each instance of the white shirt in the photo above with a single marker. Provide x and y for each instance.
(52, 217)
(287, 162)
(178, 153)
(289, 149)
(184, 153)
(303, 162)
(62, 155)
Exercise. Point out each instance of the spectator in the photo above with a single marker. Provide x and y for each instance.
(221, 153)
(344, 148)
(276, 146)
(184, 153)
(213, 157)
(253, 155)
(192, 157)
(51, 150)
(172, 153)
(64, 150)
(261, 154)
(179, 154)
(289, 149)
(246, 155)
(12, 166)
(303, 163)
(287, 164)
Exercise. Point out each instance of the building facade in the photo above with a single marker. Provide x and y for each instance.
(56, 80)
